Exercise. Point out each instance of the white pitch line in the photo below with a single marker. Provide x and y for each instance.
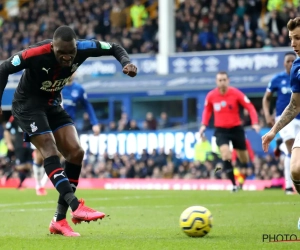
(92, 199)
(148, 206)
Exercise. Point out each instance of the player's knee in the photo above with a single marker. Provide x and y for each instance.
(76, 156)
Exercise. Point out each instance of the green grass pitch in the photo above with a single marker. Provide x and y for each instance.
(150, 220)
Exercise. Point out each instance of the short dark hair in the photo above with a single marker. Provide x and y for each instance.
(290, 54)
(293, 23)
(222, 73)
(64, 33)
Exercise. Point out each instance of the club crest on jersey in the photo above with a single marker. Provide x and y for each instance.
(74, 67)
(33, 127)
(285, 90)
(74, 93)
(16, 61)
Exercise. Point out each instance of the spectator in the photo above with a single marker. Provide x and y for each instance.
(138, 14)
(163, 122)
(202, 150)
(275, 23)
(124, 122)
(133, 126)
(151, 121)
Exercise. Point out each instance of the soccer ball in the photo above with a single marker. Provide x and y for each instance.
(196, 221)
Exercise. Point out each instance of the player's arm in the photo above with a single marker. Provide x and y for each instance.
(206, 115)
(290, 112)
(272, 87)
(10, 66)
(101, 48)
(245, 102)
(266, 103)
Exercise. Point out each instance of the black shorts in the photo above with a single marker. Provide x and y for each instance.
(236, 135)
(23, 155)
(37, 120)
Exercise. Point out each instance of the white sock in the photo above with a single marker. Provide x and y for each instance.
(287, 173)
(44, 180)
(37, 174)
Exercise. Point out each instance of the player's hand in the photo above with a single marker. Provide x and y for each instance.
(130, 69)
(96, 129)
(256, 127)
(201, 130)
(266, 140)
(270, 121)
(0, 111)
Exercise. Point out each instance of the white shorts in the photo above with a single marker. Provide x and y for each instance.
(289, 131)
(297, 141)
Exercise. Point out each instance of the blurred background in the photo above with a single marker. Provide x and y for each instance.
(149, 123)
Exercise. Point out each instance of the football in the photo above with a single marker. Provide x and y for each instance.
(196, 221)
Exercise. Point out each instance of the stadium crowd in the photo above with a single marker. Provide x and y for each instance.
(200, 24)
(158, 164)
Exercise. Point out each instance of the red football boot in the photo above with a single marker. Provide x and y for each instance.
(84, 213)
(62, 227)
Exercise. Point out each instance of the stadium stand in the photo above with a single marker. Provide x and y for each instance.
(201, 25)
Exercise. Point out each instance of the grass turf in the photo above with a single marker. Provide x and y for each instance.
(150, 220)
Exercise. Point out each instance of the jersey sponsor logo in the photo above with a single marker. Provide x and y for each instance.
(33, 127)
(46, 70)
(217, 106)
(74, 67)
(54, 86)
(285, 90)
(105, 45)
(16, 61)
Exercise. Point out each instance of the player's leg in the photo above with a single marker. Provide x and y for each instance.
(38, 172)
(222, 140)
(288, 134)
(244, 164)
(287, 165)
(23, 165)
(239, 144)
(295, 166)
(45, 178)
(34, 122)
(67, 142)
